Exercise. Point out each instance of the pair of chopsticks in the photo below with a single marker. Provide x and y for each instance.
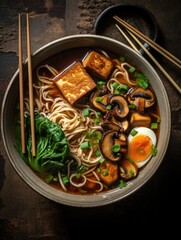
(30, 83)
(132, 32)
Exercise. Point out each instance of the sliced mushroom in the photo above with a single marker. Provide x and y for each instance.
(110, 122)
(124, 125)
(99, 100)
(141, 98)
(109, 116)
(127, 169)
(111, 138)
(120, 106)
(122, 141)
(106, 146)
(108, 125)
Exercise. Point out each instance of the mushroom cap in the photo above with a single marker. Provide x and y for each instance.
(111, 122)
(108, 125)
(106, 145)
(111, 138)
(142, 98)
(99, 99)
(127, 169)
(120, 106)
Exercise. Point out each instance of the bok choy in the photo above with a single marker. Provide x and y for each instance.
(51, 145)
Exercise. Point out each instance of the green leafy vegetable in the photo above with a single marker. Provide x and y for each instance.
(51, 145)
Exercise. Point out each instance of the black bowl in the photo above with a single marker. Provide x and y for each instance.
(138, 16)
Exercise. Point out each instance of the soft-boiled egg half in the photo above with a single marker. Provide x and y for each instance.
(141, 142)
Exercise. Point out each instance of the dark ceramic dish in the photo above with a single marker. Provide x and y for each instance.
(138, 16)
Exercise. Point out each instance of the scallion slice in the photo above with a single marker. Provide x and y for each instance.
(122, 59)
(133, 132)
(154, 125)
(96, 120)
(132, 106)
(106, 171)
(101, 160)
(86, 112)
(100, 84)
(154, 150)
(116, 148)
(115, 85)
(122, 87)
(97, 153)
(108, 107)
(85, 145)
(132, 69)
(122, 184)
(142, 83)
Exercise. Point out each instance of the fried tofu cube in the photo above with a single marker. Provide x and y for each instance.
(138, 119)
(74, 82)
(108, 172)
(98, 65)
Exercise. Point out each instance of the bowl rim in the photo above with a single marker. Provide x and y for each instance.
(83, 200)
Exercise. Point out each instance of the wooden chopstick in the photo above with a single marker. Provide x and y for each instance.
(127, 38)
(151, 56)
(30, 86)
(153, 44)
(21, 95)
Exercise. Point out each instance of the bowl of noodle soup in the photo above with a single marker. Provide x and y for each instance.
(73, 170)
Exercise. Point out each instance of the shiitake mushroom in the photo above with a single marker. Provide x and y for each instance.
(127, 169)
(110, 139)
(141, 98)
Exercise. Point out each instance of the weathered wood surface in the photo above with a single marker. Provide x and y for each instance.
(27, 215)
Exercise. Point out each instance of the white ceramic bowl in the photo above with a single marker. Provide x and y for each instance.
(8, 123)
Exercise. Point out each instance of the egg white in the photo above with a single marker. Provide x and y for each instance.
(147, 132)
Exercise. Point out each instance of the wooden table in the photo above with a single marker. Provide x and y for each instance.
(27, 215)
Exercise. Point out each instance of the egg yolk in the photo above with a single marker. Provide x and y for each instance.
(140, 148)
